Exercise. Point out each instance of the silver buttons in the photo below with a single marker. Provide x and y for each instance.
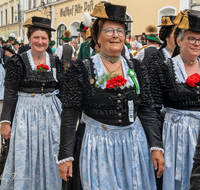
(118, 101)
(119, 95)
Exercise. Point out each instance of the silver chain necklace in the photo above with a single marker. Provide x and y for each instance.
(38, 56)
(168, 49)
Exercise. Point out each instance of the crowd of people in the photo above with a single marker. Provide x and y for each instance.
(111, 113)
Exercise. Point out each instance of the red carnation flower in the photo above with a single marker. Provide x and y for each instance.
(116, 82)
(85, 28)
(46, 67)
(38, 66)
(41, 67)
(193, 79)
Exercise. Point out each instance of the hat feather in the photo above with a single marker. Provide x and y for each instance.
(152, 29)
(67, 34)
(19, 39)
(12, 35)
(87, 20)
(3, 38)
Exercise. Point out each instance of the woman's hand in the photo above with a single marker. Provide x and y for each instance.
(65, 170)
(158, 162)
(5, 130)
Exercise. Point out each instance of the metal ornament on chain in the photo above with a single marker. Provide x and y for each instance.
(189, 62)
(111, 59)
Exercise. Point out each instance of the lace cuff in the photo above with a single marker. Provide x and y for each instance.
(157, 148)
(5, 121)
(64, 160)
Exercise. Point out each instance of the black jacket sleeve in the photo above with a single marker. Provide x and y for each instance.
(146, 111)
(147, 116)
(195, 176)
(69, 118)
(156, 84)
(72, 100)
(9, 103)
(155, 75)
(60, 76)
(14, 75)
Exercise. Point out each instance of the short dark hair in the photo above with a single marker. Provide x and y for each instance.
(152, 41)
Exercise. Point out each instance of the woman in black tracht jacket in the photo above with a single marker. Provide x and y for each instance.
(175, 83)
(111, 92)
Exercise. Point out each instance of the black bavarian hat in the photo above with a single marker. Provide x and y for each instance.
(82, 28)
(188, 20)
(38, 22)
(167, 26)
(110, 11)
(167, 21)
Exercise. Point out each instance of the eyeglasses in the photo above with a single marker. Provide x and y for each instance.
(193, 40)
(110, 31)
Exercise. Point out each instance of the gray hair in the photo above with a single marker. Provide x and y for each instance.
(181, 34)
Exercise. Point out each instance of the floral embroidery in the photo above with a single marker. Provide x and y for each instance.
(193, 79)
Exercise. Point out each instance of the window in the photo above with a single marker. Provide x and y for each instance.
(11, 15)
(73, 28)
(34, 3)
(128, 24)
(195, 4)
(168, 10)
(1, 18)
(29, 4)
(18, 14)
(6, 17)
(60, 32)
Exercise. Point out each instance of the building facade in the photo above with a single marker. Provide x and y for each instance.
(67, 14)
(11, 17)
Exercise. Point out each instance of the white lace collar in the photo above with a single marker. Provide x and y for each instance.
(179, 69)
(33, 66)
(166, 54)
(100, 70)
